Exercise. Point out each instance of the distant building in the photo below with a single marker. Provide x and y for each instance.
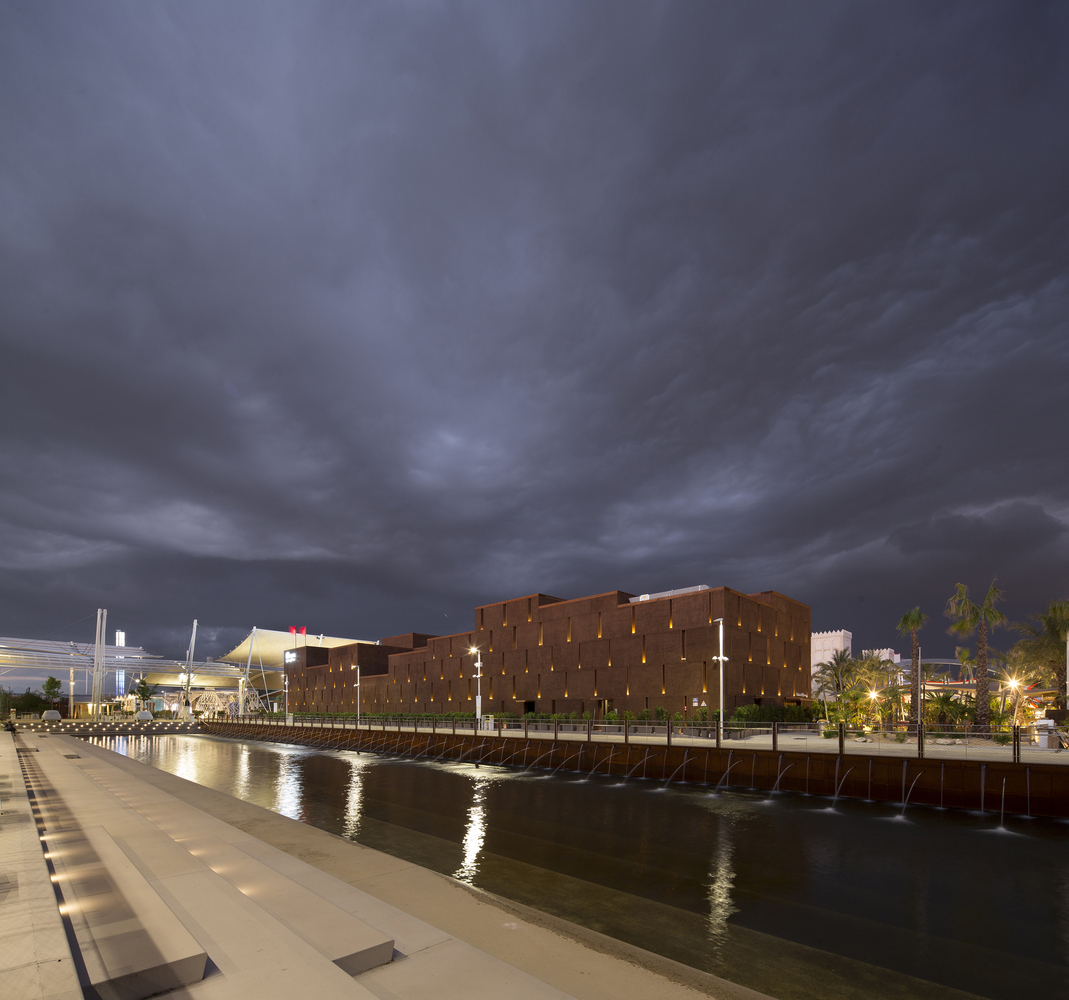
(612, 651)
(821, 647)
(823, 644)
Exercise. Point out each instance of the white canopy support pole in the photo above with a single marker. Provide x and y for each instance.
(186, 710)
(248, 665)
(98, 663)
(264, 676)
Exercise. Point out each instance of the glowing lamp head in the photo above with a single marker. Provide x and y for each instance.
(473, 650)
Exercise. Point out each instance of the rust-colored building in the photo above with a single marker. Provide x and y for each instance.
(543, 654)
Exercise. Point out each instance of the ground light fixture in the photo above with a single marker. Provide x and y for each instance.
(479, 682)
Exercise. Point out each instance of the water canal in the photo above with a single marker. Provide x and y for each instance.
(782, 894)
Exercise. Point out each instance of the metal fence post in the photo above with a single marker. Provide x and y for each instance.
(920, 739)
(556, 729)
(842, 738)
(667, 732)
(775, 735)
(1017, 744)
(589, 729)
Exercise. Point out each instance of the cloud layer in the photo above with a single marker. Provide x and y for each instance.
(356, 316)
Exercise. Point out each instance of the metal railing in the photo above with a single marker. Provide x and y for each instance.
(996, 743)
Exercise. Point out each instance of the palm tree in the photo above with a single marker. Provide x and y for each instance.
(968, 664)
(909, 624)
(892, 697)
(944, 706)
(979, 618)
(1044, 643)
(836, 675)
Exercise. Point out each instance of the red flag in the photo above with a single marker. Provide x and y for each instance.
(293, 630)
(304, 631)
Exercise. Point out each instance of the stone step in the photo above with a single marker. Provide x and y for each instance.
(165, 837)
(132, 944)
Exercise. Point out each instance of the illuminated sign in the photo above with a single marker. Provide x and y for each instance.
(290, 656)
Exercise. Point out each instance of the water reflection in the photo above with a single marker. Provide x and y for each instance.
(475, 831)
(186, 762)
(354, 796)
(288, 787)
(243, 773)
(721, 882)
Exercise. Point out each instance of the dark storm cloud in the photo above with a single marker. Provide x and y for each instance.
(354, 316)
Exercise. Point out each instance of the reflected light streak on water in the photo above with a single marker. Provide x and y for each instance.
(474, 832)
(186, 762)
(243, 773)
(721, 882)
(289, 786)
(353, 797)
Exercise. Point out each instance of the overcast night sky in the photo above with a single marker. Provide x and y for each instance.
(355, 316)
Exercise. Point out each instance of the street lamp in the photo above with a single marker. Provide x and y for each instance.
(356, 667)
(721, 660)
(479, 683)
(1012, 685)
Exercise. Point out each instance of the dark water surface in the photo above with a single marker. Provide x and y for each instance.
(787, 896)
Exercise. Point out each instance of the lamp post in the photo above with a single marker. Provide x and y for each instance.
(479, 685)
(721, 660)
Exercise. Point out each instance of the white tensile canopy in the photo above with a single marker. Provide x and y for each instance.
(266, 648)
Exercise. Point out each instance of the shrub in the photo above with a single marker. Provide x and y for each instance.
(772, 713)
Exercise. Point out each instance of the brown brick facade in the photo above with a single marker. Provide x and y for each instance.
(591, 654)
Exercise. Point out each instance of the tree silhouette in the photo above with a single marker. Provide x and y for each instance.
(979, 618)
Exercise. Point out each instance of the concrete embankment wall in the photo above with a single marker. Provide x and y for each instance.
(1031, 789)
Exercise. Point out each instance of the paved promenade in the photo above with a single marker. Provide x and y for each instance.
(167, 886)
